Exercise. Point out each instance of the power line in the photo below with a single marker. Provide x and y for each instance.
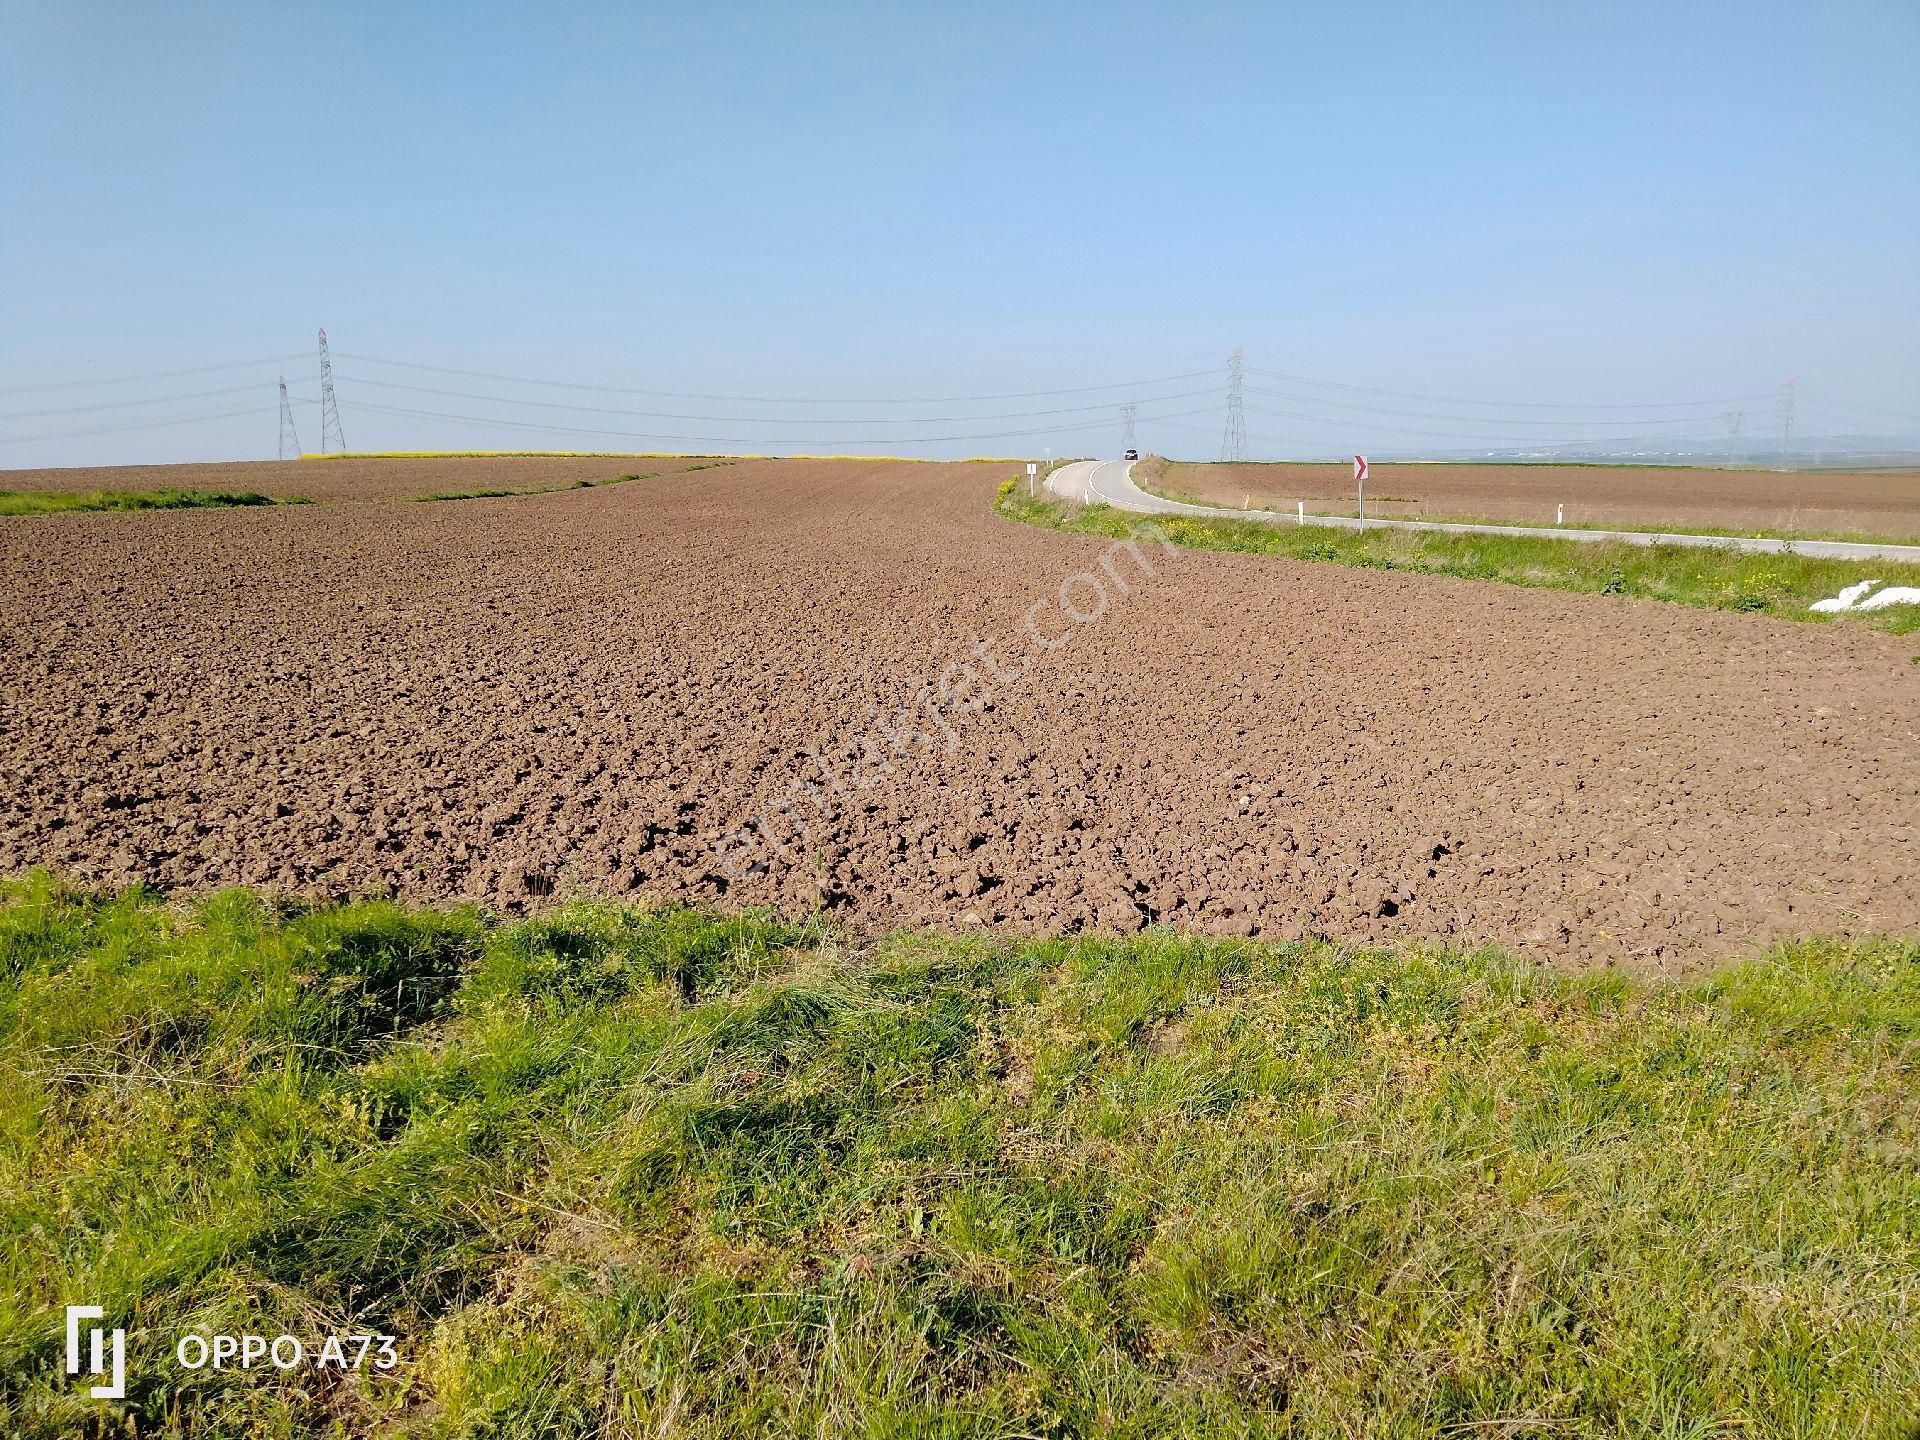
(329, 408)
(1911, 419)
(150, 375)
(377, 408)
(1376, 425)
(1104, 407)
(1495, 404)
(779, 399)
(1573, 446)
(1855, 424)
(251, 410)
(1505, 430)
(1233, 439)
(895, 400)
(129, 404)
(1496, 439)
(1474, 419)
(289, 439)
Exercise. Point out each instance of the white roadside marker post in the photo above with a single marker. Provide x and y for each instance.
(1560, 515)
(1032, 470)
(1360, 486)
(1300, 512)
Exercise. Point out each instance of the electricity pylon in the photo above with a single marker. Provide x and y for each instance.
(1233, 441)
(329, 410)
(289, 440)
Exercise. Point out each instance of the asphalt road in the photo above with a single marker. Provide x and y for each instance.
(1110, 482)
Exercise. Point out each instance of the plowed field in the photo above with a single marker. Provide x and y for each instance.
(355, 478)
(588, 691)
(1646, 497)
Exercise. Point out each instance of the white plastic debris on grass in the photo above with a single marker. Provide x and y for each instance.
(1849, 598)
(1892, 595)
(1844, 600)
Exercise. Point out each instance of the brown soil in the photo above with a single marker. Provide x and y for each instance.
(580, 692)
(357, 479)
(1660, 497)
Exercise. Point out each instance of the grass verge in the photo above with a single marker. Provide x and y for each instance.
(1710, 578)
(1157, 477)
(533, 490)
(1857, 537)
(621, 1172)
(51, 502)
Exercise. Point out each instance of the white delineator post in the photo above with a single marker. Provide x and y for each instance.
(1032, 470)
(1300, 512)
(1559, 514)
(1360, 487)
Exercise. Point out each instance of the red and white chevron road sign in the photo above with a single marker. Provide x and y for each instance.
(1359, 467)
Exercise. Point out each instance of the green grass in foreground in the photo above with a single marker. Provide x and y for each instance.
(1716, 578)
(47, 502)
(616, 1172)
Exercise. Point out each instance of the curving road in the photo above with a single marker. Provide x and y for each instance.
(1110, 482)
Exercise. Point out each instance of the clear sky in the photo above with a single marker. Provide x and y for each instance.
(1524, 206)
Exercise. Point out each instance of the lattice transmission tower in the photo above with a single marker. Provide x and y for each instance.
(1233, 441)
(1128, 412)
(289, 440)
(329, 410)
(1786, 422)
(1732, 419)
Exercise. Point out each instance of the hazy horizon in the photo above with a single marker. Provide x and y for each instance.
(772, 230)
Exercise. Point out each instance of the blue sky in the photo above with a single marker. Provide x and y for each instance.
(1523, 206)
